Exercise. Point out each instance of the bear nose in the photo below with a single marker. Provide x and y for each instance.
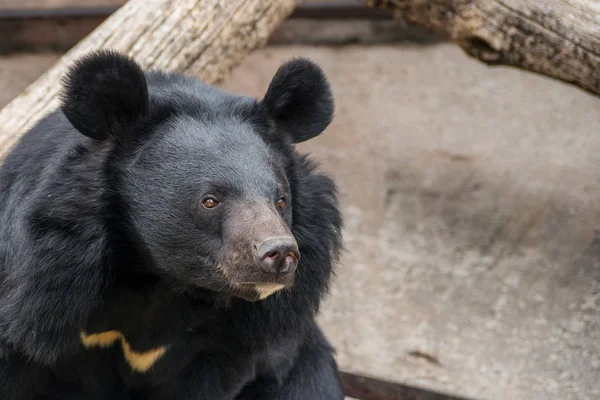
(278, 255)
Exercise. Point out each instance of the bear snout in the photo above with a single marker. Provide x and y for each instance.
(277, 255)
(262, 254)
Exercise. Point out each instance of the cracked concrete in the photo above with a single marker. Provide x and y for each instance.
(470, 195)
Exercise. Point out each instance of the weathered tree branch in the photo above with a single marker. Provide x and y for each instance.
(205, 38)
(557, 38)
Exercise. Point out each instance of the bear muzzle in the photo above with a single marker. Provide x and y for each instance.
(277, 255)
(262, 254)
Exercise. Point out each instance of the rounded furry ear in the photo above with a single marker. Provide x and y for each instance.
(103, 92)
(299, 99)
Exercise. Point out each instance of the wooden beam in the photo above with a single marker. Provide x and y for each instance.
(557, 38)
(45, 34)
(205, 38)
(337, 9)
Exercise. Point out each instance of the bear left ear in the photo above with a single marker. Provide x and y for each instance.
(103, 92)
(299, 99)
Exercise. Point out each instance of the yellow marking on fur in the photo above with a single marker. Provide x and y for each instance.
(266, 290)
(104, 339)
(140, 362)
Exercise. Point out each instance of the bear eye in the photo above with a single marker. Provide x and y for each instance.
(281, 203)
(210, 202)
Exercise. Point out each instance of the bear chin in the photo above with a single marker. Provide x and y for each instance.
(258, 292)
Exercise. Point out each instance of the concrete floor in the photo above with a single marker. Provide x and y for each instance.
(470, 196)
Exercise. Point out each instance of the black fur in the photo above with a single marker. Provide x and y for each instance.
(102, 228)
(300, 100)
(104, 94)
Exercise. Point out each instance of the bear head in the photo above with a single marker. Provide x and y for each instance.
(205, 180)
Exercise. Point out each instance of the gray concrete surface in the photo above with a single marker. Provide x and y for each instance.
(472, 210)
(471, 202)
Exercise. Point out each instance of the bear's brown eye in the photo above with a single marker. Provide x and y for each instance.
(281, 203)
(209, 203)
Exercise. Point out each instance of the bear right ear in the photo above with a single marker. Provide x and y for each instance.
(299, 99)
(103, 92)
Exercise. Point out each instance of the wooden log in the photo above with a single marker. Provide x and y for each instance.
(557, 38)
(204, 38)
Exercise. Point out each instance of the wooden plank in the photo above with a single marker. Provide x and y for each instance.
(43, 34)
(60, 34)
(337, 9)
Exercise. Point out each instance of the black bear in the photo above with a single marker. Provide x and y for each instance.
(163, 239)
